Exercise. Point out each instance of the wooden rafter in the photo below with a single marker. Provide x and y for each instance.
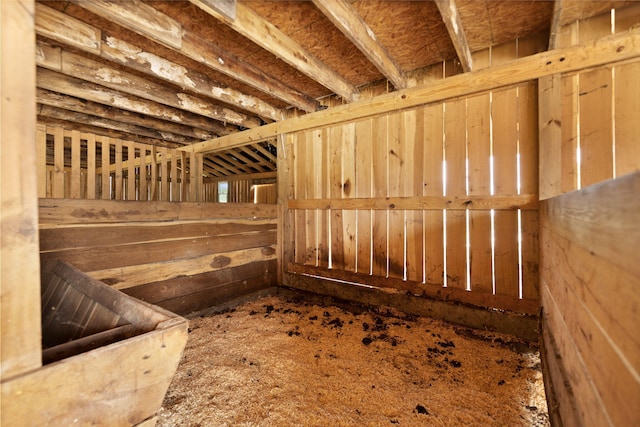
(449, 12)
(52, 112)
(351, 24)
(70, 86)
(252, 26)
(63, 28)
(69, 103)
(137, 17)
(607, 50)
(78, 66)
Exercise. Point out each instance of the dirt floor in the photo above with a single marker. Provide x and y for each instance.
(301, 361)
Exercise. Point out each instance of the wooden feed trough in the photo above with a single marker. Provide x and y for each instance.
(109, 358)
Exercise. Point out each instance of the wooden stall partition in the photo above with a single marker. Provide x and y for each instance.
(588, 122)
(436, 201)
(590, 278)
(78, 165)
(180, 256)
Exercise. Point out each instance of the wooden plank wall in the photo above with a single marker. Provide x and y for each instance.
(589, 134)
(589, 120)
(78, 165)
(438, 200)
(181, 256)
(590, 277)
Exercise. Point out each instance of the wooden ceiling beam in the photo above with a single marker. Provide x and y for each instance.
(607, 50)
(72, 64)
(266, 35)
(102, 123)
(63, 28)
(449, 12)
(105, 132)
(54, 99)
(351, 24)
(253, 158)
(136, 16)
(71, 86)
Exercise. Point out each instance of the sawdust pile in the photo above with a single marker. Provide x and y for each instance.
(292, 361)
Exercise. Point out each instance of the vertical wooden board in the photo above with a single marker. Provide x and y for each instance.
(550, 122)
(199, 160)
(131, 171)
(91, 165)
(173, 177)
(299, 193)
(398, 159)
(413, 131)
(144, 189)
(314, 191)
(335, 192)
(627, 122)
(308, 177)
(41, 160)
(321, 144)
(505, 144)
(479, 154)
(364, 163)
(153, 167)
(184, 176)
(528, 151)
(455, 116)
(596, 145)
(432, 172)
(105, 167)
(569, 132)
(118, 163)
(164, 174)
(594, 28)
(349, 230)
(20, 348)
(380, 176)
(58, 163)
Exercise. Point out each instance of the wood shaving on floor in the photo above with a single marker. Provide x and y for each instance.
(305, 361)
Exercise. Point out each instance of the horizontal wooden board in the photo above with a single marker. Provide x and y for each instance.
(602, 218)
(126, 277)
(55, 212)
(92, 236)
(156, 292)
(516, 201)
(220, 294)
(451, 295)
(105, 257)
(524, 327)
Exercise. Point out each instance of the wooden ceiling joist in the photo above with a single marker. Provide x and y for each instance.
(102, 123)
(449, 12)
(78, 88)
(129, 16)
(70, 103)
(252, 26)
(607, 50)
(351, 24)
(76, 65)
(62, 28)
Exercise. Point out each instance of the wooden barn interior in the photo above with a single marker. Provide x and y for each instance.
(471, 161)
